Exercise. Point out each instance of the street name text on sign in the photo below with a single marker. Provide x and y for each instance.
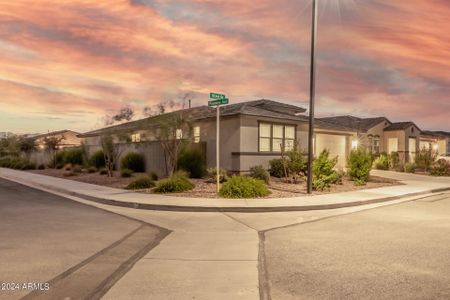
(218, 102)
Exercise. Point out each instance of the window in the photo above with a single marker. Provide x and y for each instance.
(179, 134)
(392, 145)
(376, 145)
(136, 137)
(197, 134)
(272, 137)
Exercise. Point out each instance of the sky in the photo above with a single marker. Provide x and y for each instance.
(65, 64)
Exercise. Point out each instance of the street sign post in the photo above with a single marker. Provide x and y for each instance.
(218, 99)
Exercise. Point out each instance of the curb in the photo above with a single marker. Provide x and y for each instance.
(256, 209)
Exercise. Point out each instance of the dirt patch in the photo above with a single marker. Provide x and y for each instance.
(93, 178)
(204, 189)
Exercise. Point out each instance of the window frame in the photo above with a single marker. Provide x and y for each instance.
(271, 137)
(197, 136)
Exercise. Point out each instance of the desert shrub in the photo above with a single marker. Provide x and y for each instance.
(410, 167)
(400, 167)
(73, 156)
(244, 187)
(58, 159)
(28, 166)
(68, 167)
(41, 167)
(92, 170)
(153, 176)
(211, 175)
(297, 166)
(381, 162)
(324, 174)
(97, 159)
(258, 172)
(277, 167)
(126, 172)
(141, 182)
(16, 163)
(178, 182)
(6, 161)
(103, 171)
(69, 173)
(59, 166)
(440, 168)
(425, 158)
(77, 169)
(133, 161)
(192, 160)
(394, 160)
(359, 166)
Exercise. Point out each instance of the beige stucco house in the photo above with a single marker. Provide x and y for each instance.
(251, 133)
(379, 135)
(69, 138)
(436, 140)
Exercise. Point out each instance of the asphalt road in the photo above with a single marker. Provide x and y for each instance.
(78, 250)
(394, 252)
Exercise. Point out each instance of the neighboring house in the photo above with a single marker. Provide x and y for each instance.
(379, 135)
(70, 138)
(437, 140)
(5, 135)
(252, 133)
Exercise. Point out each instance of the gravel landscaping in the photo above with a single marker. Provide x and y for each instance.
(204, 189)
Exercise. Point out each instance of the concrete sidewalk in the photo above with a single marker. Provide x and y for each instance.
(412, 185)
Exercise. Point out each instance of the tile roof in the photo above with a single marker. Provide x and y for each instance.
(400, 126)
(43, 135)
(441, 134)
(355, 123)
(262, 107)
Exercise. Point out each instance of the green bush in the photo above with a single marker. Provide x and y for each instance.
(126, 172)
(277, 166)
(258, 172)
(153, 176)
(440, 168)
(59, 166)
(97, 159)
(359, 166)
(103, 171)
(58, 159)
(297, 164)
(394, 160)
(73, 156)
(410, 167)
(68, 167)
(381, 162)
(133, 161)
(211, 175)
(141, 182)
(77, 169)
(192, 160)
(178, 182)
(244, 187)
(16, 163)
(425, 158)
(324, 174)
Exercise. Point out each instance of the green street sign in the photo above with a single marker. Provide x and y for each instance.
(216, 96)
(218, 102)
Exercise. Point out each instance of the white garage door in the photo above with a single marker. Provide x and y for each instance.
(336, 144)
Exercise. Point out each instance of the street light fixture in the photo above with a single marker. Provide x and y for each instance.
(312, 91)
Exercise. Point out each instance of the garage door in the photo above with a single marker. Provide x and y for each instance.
(336, 144)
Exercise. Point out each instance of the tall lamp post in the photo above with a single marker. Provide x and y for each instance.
(312, 92)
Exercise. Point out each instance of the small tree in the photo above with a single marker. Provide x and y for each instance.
(425, 158)
(111, 152)
(26, 146)
(52, 144)
(359, 166)
(173, 130)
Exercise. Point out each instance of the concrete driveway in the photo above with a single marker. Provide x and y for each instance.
(394, 252)
(78, 249)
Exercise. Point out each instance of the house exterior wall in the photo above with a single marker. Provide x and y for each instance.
(378, 130)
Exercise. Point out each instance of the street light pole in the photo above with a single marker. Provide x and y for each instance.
(312, 92)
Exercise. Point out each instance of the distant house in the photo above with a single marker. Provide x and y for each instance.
(252, 133)
(437, 140)
(5, 135)
(70, 138)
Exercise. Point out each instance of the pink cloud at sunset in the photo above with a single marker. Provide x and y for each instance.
(67, 63)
